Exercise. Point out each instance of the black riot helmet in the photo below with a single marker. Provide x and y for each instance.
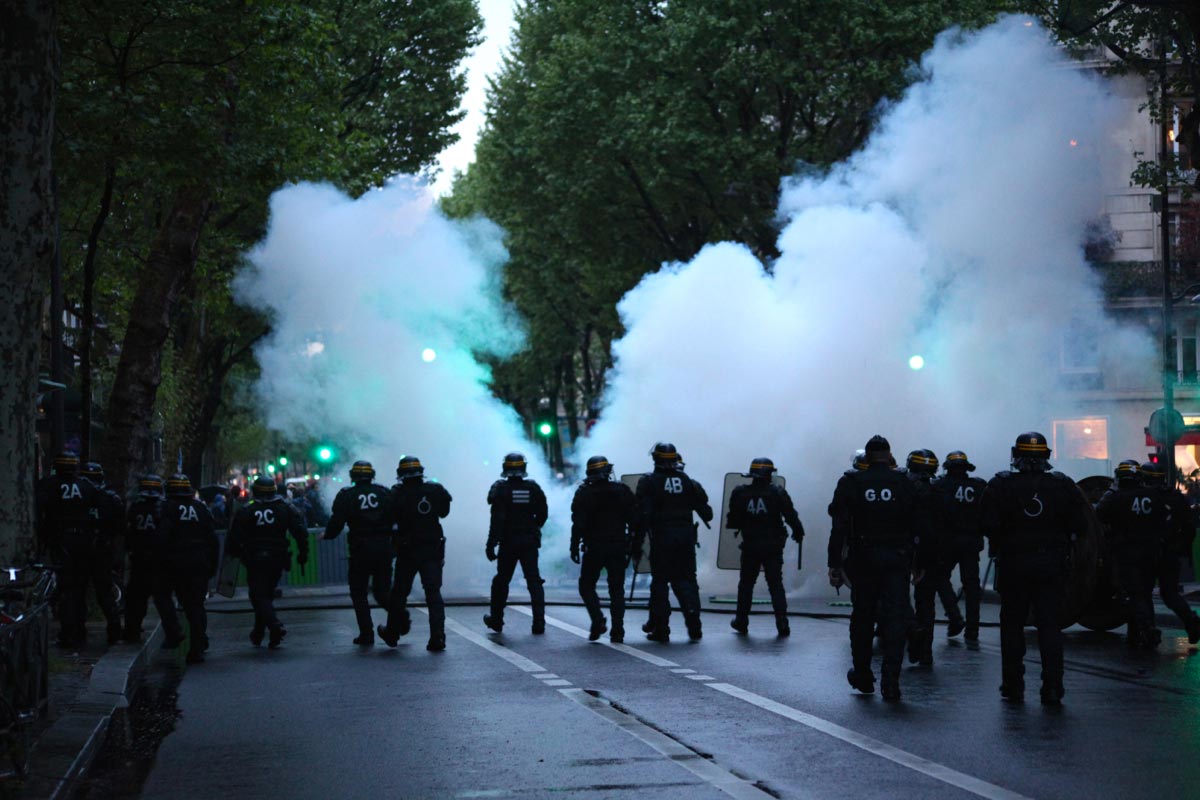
(361, 471)
(1031, 445)
(666, 456)
(1153, 474)
(599, 469)
(514, 466)
(879, 450)
(1127, 472)
(66, 463)
(93, 472)
(409, 467)
(264, 488)
(922, 462)
(957, 460)
(179, 485)
(150, 486)
(761, 468)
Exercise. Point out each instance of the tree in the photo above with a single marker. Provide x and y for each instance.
(621, 135)
(181, 118)
(27, 63)
(1157, 39)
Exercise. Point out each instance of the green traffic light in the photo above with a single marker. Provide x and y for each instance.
(545, 429)
(283, 461)
(325, 454)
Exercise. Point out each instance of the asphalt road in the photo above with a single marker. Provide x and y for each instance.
(514, 715)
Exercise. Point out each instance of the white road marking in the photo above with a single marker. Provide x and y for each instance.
(708, 771)
(940, 772)
(682, 671)
(517, 660)
(700, 677)
(624, 648)
(545, 676)
(557, 682)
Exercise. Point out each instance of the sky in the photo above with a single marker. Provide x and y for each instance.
(483, 62)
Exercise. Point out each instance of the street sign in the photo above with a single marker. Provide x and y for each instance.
(729, 554)
(1163, 425)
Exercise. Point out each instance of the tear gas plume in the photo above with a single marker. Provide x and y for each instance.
(379, 307)
(954, 234)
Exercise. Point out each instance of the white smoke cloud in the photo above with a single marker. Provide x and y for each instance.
(954, 234)
(359, 291)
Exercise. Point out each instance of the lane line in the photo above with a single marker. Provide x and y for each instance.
(517, 660)
(624, 648)
(932, 769)
(700, 677)
(708, 771)
(940, 772)
(545, 676)
(682, 671)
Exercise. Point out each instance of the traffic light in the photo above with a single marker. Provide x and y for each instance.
(545, 429)
(324, 453)
(283, 459)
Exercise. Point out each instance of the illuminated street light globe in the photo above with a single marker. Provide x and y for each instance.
(428, 355)
(916, 362)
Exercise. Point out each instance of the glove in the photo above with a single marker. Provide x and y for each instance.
(836, 578)
(491, 552)
(575, 554)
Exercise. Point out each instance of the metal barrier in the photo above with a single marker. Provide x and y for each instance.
(328, 561)
(24, 685)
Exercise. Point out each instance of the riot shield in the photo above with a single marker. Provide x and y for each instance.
(640, 562)
(227, 575)
(728, 553)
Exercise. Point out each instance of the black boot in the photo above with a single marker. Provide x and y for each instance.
(890, 687)
(389, 638)
(783, 628)
(863, 681)
(495, 622)
(277, 634)
(437, 643)
(955, 627)
(599, 627)
(365, 638)
(1013, 688)
(740, 624)
(1052, 694)
(617, 636)
(257, 635)
(1193, 629)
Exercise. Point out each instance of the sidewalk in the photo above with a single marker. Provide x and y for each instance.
(81, 709)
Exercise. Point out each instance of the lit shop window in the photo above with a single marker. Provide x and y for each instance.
(1081, 439)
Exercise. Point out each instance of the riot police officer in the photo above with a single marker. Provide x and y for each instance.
(258, 536)
(188, 558)
(921, 467)
(961, 536)
(758, 511)
(142, 525)
(1176, 544)
(418, 506)
(108, 516)
(667, 498)
(1137, 518)
(603, 520)
(1030, 516)
(365, 507)
(875, 541)
(518, 514)
(68, 527)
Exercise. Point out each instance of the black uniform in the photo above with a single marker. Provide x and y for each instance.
(666, 500)
(936, 582)
(418, 506)
(758, 511)
(1136, 516)
(603, 521)
(961, 539)
(518, 513)
(258, 536)
(188, 557)
(1177, 543)
(143, 522)
(1030, 518)
(76, 526)
(365, 507)
(876, 512)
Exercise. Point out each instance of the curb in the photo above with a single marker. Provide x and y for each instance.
(65, 752)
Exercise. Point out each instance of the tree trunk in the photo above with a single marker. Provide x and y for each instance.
(89, 315)
(135, 388)
(27, 79)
